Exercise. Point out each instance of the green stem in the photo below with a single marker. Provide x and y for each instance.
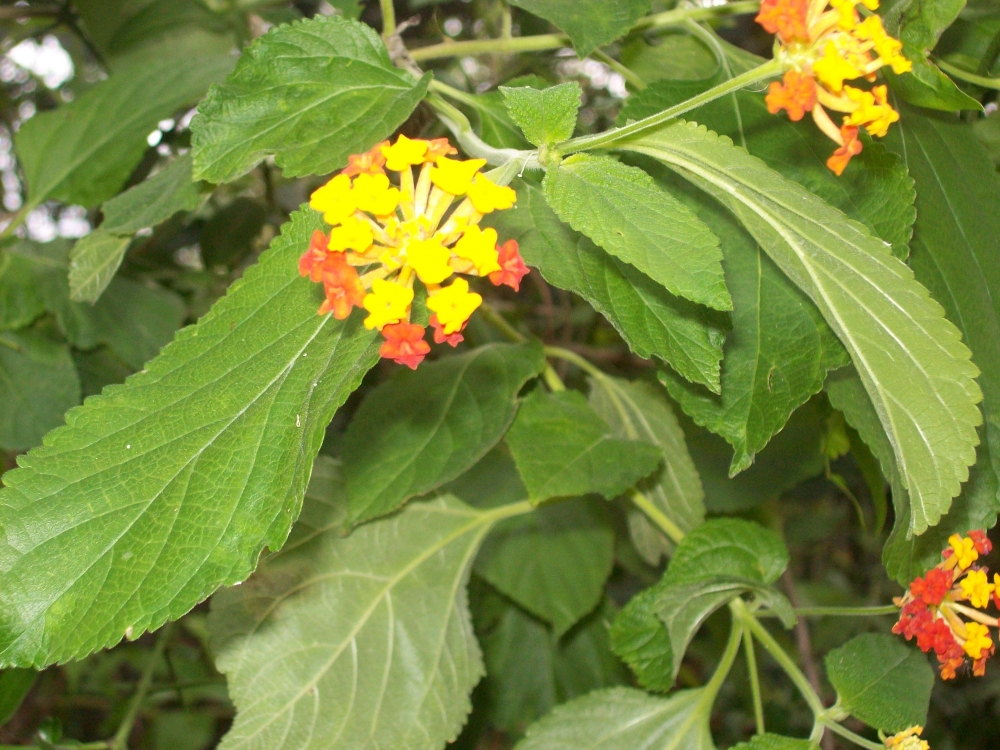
(780, 655)
(964, 75)
(500, 323)
(609, 138)
(120, 740)
(657, 516)
(725, 662)
(388, 18)
(846, 733)
(545, 42)
(552, 379)
(507, 32)
(888, 609)
(758, 702)
(616, 66)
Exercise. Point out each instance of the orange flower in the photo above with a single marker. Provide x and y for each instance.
(311, 262)
(404, 344)
(851, 147)
(370, 162)
(440, 337)
(342, 287)
(786, 18)
(512, 267)
(797, 95)
(439, 147)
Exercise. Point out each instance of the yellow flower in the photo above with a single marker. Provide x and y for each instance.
(872, 110)
(976, 588)
(479, 247)
(848, 17)
(888, 49)
(977, 639)
(352, 234)
(454, 176)
(964, 549)
(388, 303)
(404, 153)
(453, 305)
(832, 69)
(907, 740)
(429, 258)
(486, 196)
(372, 194)
(334, 200)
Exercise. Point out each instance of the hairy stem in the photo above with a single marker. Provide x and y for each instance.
(616, 66)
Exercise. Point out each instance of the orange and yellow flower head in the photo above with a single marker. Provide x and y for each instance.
(823, 45)
(941, 609)
(419, 230)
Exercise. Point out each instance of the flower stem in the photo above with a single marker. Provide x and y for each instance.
(888, 609)
(609, 138)
(758, 703)
(657, 516)
(388, 18)
(626, 73)
(500, 323)
(964, 75)
(849, 735)
(120, 740)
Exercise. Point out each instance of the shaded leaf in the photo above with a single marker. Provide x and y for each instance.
(652, 321)
(553, 562)
(768, 741)
(93, 262)
(422, 428)
(311, 93)
(562, 448)
(153, 200)
(623, 211)
(588, 23)
(169, 486)
(230, 233)
(881, 681)
(20, 299)
(911, 359)
(545, 116)
(14, 686)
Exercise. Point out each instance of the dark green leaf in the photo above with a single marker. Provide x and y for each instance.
(626, 719)
(84, 151)
(423, 428)
(38, 383)
(14, 686)
(545, 116)
(93, 262)
(641, 640)
(553, 562)
(169, 486)
(770, 741)
(588, 23)
(229, 235)
(311, 93)
(728, 547)
(20, 299)
(562, 448)
(626, 213)
(154, 200)
(652, 321)
(881, 681)
(99, 367)
(119, 25)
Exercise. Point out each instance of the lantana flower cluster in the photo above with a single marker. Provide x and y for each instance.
(908, 739)
(822, 45)
(933, 612)
(408, 232)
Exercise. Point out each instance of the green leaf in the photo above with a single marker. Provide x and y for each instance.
(38, 383)
(668, 55)
(93, 262)
(639, 410)
(311, 93)
(553, 562)
(229, 235)
(528, 671)
(495, 125)
(119, 25)
(545, 116)
(588, 23)
(652, 321)
(911, 359)
(169, 486)
(881, 681)
(422, 428)
(14, 687)
(153, 200)
(99, 367)
(84, 151)
(347, 642)
(625, 719)
(714, 564)
(768, 741)
(562, 448)
(20, 299)
(626, 213)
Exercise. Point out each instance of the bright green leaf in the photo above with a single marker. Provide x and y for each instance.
(562, 448)
(652, 321)
(423, 428)
(169, 486)
(93, 262)
(588, 23)
(311, 93)
(911, 359)
(38, 383)
(545, 116)
(82, 152)
(626, 719)
(881, 681)
(639, 410)
(20, 299)
(626, 213)
(676, 55)
(153, 200)
(350, 642)
(553, 562)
